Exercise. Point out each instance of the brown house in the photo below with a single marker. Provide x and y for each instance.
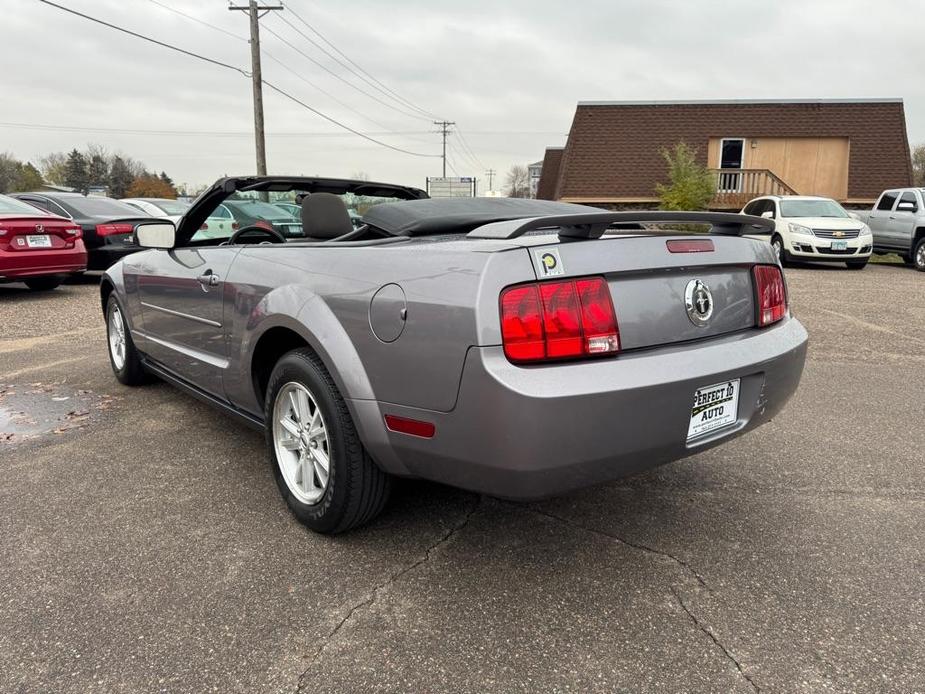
(847, 149)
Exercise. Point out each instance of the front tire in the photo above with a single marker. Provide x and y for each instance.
(123, 357)
(43, 284)
(918, 256)
(777, 243)
(322, 470)
(856, 264)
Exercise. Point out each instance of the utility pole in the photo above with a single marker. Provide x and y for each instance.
(256, 12)
(491, 177)
(445, 129)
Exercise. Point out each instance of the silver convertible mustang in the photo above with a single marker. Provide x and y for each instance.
(519, 348)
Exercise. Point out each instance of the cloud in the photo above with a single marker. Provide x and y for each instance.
(508, 73)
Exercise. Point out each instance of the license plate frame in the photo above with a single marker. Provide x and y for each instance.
(38, 241)
(715, 407)
(839, 246)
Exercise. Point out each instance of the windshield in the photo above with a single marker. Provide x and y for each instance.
(101, 207)
(13, 206)
(811, 208)
(282, 213)
(171, 206)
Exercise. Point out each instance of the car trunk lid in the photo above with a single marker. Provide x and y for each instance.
(24, 234)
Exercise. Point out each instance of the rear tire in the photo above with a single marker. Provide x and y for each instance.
(43, 284)
(123, 357)
(856, 264)
(918, 256)
(308, 428)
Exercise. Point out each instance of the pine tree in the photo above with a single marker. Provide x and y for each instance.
(76, 175)
(120, 178)
(28, 179)
(98, 171)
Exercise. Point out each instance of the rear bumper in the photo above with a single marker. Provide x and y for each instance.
(26, 264)
(104, 257)
(528, 433)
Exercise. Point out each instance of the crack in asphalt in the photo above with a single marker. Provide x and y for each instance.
(716, 641)
(688, 569)
(635, 545)
(371, 596)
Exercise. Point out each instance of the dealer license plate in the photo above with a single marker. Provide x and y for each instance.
(38, 241)
(839, 245)
(715, 407)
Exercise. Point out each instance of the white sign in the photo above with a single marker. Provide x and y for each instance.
(458, 187)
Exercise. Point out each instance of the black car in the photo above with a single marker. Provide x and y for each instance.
(257, 213)
(107, 224)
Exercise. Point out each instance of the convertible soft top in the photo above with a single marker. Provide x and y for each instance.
(460, 215)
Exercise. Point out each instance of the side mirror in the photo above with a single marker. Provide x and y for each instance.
(906, 207)
(157, 233)
(768, 214)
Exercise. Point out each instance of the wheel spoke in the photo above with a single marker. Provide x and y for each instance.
(321, 471)
(305, 411)
(291, 427)
(307, 473)
(294, 405)
(290, 444)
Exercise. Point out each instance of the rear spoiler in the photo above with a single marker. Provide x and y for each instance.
(592, 225)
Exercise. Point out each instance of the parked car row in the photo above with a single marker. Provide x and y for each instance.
(46, 236)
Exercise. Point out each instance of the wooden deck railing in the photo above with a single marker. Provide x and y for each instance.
(735, 187)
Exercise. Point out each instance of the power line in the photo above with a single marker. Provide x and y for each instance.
(147, 38)
(465, 145)
(444, 129)
(384, 88)
(339, 77)
(240, 71)
(198, 133)
(276, 60)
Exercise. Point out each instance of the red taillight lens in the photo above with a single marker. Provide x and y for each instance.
(75, 232)
(558, 320)
(263, 224)
(204, 227)
(235, 226)
(772, 296)
(113, 229)
(522, 324)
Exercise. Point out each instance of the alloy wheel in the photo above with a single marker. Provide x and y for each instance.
(300, 439)
(117, 338)
(920, 257)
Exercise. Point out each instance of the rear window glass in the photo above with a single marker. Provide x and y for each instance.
(102, 207)
(14, 206)
(171, 206)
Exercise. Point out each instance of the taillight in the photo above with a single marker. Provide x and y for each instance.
(113, 229)
(771, 294)
(204, 227)
(235, 226)
(558, 320)
(75, 232)
(263, 224)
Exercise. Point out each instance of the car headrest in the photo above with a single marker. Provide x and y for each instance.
(325, 216)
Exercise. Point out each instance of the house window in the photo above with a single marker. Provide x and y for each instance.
(731, 151)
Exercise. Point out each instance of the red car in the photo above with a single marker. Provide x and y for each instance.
(36, 247)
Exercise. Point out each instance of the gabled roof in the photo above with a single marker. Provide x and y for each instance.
(614, 148)
(549, 177)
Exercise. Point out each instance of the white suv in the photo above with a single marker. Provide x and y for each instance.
(811, 228)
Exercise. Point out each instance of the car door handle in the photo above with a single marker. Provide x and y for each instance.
(208, 279)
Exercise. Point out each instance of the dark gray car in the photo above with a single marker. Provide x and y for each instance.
(518, 348)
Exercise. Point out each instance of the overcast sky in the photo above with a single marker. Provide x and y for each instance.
(509, 73)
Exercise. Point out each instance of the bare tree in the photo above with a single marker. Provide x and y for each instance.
(918, 165)
(517, 182)
(52, 167)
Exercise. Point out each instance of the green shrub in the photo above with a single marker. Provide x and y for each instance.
(691, 185)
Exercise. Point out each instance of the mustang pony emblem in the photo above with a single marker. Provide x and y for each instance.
(698, 300)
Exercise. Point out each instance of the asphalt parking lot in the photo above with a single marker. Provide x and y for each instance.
(144, 546)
